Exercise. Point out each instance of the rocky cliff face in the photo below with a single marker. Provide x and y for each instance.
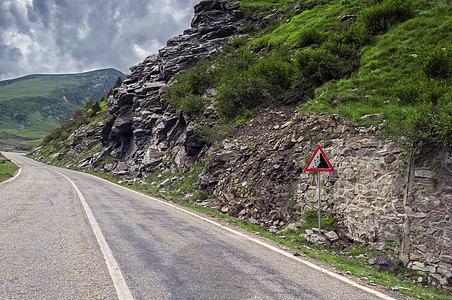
(143, 127)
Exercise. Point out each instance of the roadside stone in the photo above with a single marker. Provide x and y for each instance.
(442, 280)
(273, 230)
(319, 239)
(417, 266)
(415, 256)
(316, 230)
(447, 273)
(85, 163)
(73, 153)
(121, 166)
(382, 263)
(293, 227)
(429, 269)
(423, 173)
(422, 248)
(332, 236)
(166, 182)
(253, 221)
(121, 173)
(276, 215)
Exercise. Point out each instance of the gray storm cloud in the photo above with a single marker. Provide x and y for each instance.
(62, 36)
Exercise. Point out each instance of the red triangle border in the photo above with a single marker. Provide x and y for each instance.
(331, 169)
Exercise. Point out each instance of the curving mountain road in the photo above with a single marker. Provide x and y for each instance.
(69, 235)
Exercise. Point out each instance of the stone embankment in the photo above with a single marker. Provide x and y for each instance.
(378, 194)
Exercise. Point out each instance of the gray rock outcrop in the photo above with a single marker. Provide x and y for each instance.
(143, 127)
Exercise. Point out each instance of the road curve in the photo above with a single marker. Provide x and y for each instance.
(69, 235)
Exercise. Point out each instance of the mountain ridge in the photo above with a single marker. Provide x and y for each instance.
(34, 75)
(33, 105)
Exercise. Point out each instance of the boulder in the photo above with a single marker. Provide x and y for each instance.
(85, 163)
(166, 182)
(319, 239)
(73, 153)
(332, 236)
(276, 215)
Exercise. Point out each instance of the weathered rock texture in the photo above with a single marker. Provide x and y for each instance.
(143, 128)
(376, 196)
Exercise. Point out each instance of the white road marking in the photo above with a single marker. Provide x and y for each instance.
(116, 274)
(291, 256)
(119, 282)
(257, 241)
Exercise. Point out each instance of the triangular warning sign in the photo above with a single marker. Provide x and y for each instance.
(319, 162)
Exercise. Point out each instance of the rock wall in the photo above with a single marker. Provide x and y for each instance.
(379, 195)
(427, 243)
(395, 202)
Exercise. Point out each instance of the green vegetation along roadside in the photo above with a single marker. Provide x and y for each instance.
(7, 168)
(182, 188)
(91, 117)
(353, 260)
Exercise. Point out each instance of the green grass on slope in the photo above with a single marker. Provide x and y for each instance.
(7, 169)
(37, 127)
(395, 58)
(321, 17)
(34, 105)
(382, 61)
(39, 86)
(263, 5)
(405, 62)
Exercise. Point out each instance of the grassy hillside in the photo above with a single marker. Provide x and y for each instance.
(34, 105)
(392, 58)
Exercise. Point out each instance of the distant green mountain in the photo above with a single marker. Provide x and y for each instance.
(32, 106)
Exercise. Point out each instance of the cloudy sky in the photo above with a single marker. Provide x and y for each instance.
(68, 36)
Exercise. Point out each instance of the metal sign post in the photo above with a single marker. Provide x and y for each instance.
(318, 178)
(319, 163)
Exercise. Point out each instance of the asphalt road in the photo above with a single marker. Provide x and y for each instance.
(68, 235)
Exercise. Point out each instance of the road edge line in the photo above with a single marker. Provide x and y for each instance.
(273, 248)
(257, 241)
(122, 289)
